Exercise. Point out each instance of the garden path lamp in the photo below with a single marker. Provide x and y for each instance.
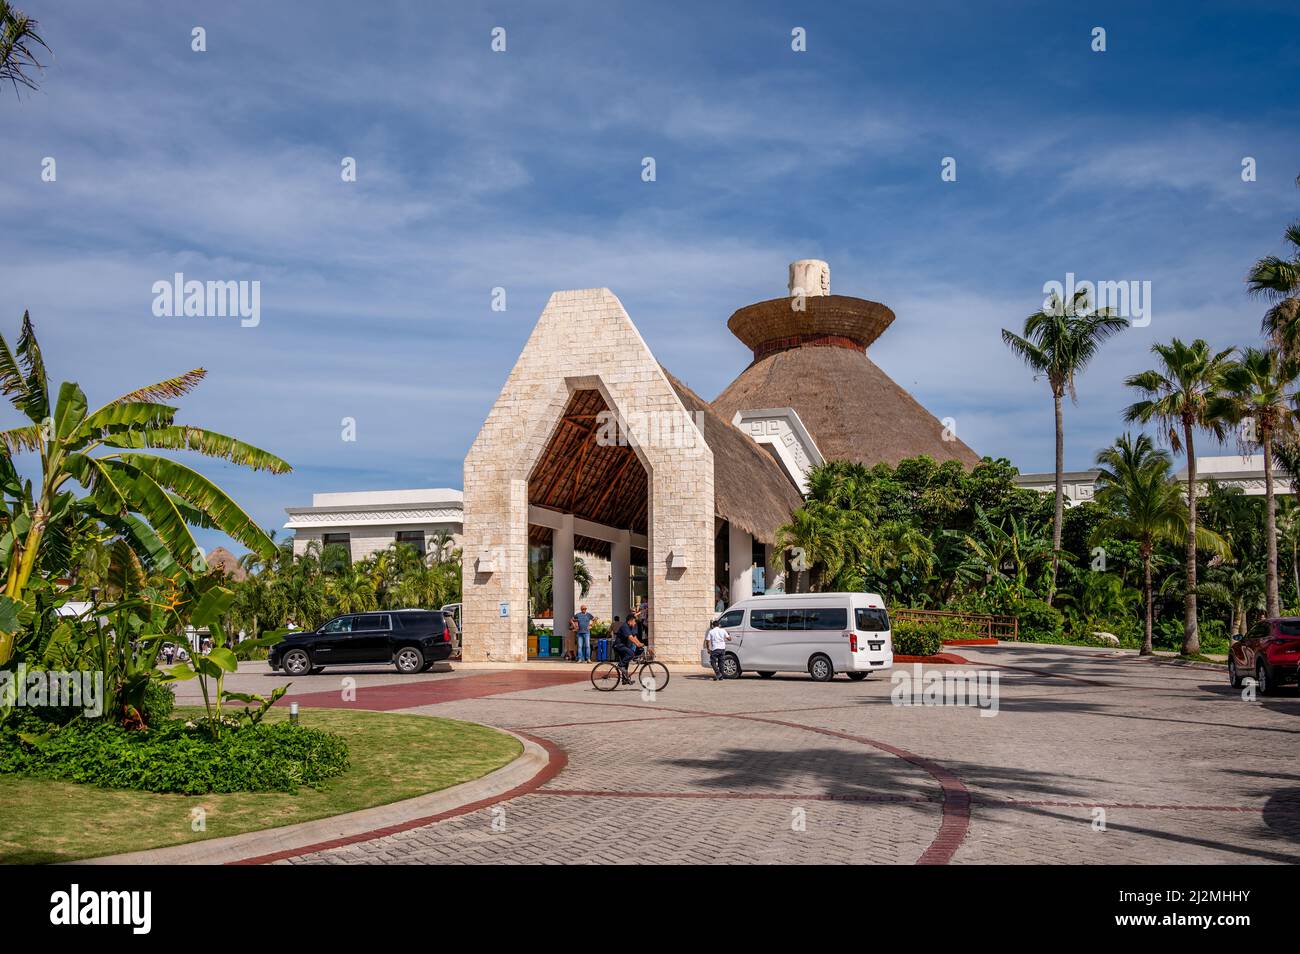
(293, 713)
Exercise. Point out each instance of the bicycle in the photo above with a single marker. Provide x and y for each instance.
(643, 671)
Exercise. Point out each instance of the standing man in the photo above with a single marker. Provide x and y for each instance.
(583, 619)
(716, 640)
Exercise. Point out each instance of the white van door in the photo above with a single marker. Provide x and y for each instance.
(763, 638)
(821, 629)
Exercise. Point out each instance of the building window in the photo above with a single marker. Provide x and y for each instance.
(336, 539)
(413, 539)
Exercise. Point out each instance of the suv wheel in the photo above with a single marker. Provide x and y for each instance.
(1234, 677)
(820, 668)
(408, 660)
(296, 662)
(1262, 682)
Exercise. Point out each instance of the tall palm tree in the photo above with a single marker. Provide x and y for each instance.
(1277, 279)
(149, 500)
(1058, 343)
(1143, 503)
(1257, 389)
(18, 43)
(1179, 396)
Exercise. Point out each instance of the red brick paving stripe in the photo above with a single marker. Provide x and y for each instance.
(555, 765)
(1132, 806)
(954, 824)
(761, 796)
(938, 659)
(955, 821)
(400, 695)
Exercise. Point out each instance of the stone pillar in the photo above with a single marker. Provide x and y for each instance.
(740, 560)
(562, 574)
(620, 564)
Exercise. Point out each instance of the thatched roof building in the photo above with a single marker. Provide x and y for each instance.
(810, 354)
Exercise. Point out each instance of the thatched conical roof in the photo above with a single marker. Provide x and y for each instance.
(810, 354)
(226, 563)
(750, 489)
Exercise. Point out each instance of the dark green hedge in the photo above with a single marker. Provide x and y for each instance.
(921, 639)
(171, 757)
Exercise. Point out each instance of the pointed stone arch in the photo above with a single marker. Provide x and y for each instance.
(584, 340)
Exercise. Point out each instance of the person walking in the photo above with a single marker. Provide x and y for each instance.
(583, 632)
(716, 640)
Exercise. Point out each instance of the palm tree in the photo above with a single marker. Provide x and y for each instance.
(1277, 279)
(822, 542)
(149, 500)
(1256, 389)
(1288, 528)
(1143, 503)
(18, 42)
(1058, 343)
(1179, 396)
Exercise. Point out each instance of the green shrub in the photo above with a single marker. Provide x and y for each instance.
(173, 756)
(919, 639)
(1039, 622)
(159, 700)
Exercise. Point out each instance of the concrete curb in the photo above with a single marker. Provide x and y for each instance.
(289, 840)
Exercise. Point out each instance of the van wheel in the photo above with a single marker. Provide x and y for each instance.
(820, 668)
(408, 660)
(767, 675)
(858, 676)
(730, 667)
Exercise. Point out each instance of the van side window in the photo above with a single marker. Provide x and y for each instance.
(768, 618)
(872, 620)
(823, 618)
(732, 619)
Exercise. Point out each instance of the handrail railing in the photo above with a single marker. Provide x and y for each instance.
(986, 625)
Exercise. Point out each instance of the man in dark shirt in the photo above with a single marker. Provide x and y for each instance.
(625, 645)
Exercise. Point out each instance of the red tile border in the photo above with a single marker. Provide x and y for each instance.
(556, 763)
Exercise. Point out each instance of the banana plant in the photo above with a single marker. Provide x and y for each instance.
(212, 667)
(151, 501)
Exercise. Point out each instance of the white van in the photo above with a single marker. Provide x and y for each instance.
(817, 633)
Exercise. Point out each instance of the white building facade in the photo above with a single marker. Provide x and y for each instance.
(367, 522)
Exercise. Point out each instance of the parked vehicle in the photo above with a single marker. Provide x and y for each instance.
(1270, 651)
(818, 633)
(412, 640)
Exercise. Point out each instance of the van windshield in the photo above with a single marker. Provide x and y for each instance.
(872, 620)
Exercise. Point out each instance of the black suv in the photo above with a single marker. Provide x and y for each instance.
(412, 640)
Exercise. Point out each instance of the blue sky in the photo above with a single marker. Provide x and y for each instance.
(522, 170)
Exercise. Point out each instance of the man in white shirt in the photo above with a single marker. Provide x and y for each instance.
(716, 640)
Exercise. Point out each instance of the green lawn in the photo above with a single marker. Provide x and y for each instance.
(392, 757)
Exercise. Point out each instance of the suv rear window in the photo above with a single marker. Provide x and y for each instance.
(871, 620)
(420, 620)
(370, 623)
(1288, 627)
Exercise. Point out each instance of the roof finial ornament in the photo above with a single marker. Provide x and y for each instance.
(810, 277)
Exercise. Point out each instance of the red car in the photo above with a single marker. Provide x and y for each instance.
(1270, 651)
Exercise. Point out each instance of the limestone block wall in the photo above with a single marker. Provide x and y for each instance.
(615, 360)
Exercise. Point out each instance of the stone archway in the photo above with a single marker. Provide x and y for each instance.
(585, 341)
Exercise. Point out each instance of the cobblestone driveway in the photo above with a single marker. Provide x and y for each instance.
(787, 770)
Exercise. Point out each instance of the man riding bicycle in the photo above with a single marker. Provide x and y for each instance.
(626, 646)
